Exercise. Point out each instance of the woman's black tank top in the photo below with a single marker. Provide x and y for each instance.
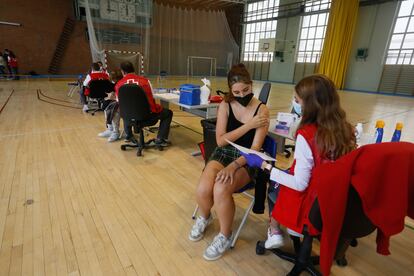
(247, 139)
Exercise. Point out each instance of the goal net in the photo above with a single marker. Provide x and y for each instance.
(201, 66)
(113, 59)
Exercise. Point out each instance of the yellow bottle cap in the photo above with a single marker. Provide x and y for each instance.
(380, 124)
(399, 126)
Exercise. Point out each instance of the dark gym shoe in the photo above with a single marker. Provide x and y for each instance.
(162, 143)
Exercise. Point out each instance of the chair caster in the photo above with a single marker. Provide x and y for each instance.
(139, 152)
(123, 147)
(342, 262)
(160, 148)
(93, 114)
(353, 243)
(260, 248)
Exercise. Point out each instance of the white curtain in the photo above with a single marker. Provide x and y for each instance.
(96, 53)
(178, 33)
(164, 36)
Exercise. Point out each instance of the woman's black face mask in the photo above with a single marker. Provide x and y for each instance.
(244, 101)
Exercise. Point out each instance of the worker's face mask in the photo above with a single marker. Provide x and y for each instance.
(297, 107)
(244, 101)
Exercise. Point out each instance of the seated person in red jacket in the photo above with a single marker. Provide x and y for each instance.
(95, 74)
(323, 135)
(163, 114)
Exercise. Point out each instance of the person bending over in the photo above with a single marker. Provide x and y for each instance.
(163, 114)
(111, 111)
(323, 135)
(242, 119)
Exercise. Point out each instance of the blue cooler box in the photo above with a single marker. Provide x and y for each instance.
(190, 94)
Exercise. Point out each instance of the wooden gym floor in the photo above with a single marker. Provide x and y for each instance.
(72, 204)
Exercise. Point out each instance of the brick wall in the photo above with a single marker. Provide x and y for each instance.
(35, 41)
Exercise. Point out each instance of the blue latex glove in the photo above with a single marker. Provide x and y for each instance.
(253, 160)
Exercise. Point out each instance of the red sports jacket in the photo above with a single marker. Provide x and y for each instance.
(383, 176)
(142, 82)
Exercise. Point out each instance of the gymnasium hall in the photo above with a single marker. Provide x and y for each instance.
(207, 137)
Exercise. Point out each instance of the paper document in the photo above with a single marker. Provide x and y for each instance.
(246, 150)
(168, 96)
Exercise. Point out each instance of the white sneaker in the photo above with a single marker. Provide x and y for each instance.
(85, 108)
(113, 137)
(274, 240)
(294, 233)
(105, 133)
(217, 248)
(200, 225)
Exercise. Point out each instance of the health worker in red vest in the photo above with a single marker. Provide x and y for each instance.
(95, 74)
(157, 111)
(323, 135)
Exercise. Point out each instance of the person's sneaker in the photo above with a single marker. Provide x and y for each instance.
(274, 239)
(85, 108)
(105, 133)
(200, 225)
(217, 248)
(113, 137)
(294, 233)
(159, 143)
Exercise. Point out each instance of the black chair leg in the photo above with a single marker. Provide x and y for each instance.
(304, 260)
(140, 144)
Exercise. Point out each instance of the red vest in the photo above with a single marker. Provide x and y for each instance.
(144, 84)
(12, 62)
(291, 207)
(96, 76)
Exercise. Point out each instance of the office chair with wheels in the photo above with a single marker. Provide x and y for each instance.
(135, 111)
(356, 225)
(97, 92)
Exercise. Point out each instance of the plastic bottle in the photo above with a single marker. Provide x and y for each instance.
(358, 132)
(379, 132)
(397, 133)
(205, 91)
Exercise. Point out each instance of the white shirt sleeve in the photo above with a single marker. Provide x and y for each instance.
(152, 91)
(299, 181)
(87, 80)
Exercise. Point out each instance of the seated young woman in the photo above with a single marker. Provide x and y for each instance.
(323, 135)
(111, 111)
(242, 119)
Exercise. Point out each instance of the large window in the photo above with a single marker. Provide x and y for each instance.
(400, 50)
(313, 30)
(261, 27)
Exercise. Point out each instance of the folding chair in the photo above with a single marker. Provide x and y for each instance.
(75, 86)
(269, 146)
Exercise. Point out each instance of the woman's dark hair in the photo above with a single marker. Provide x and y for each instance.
(321, 106)
(238, 73)
(116, 75)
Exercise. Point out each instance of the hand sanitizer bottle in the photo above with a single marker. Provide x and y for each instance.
(379, 132)
(397, 133)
